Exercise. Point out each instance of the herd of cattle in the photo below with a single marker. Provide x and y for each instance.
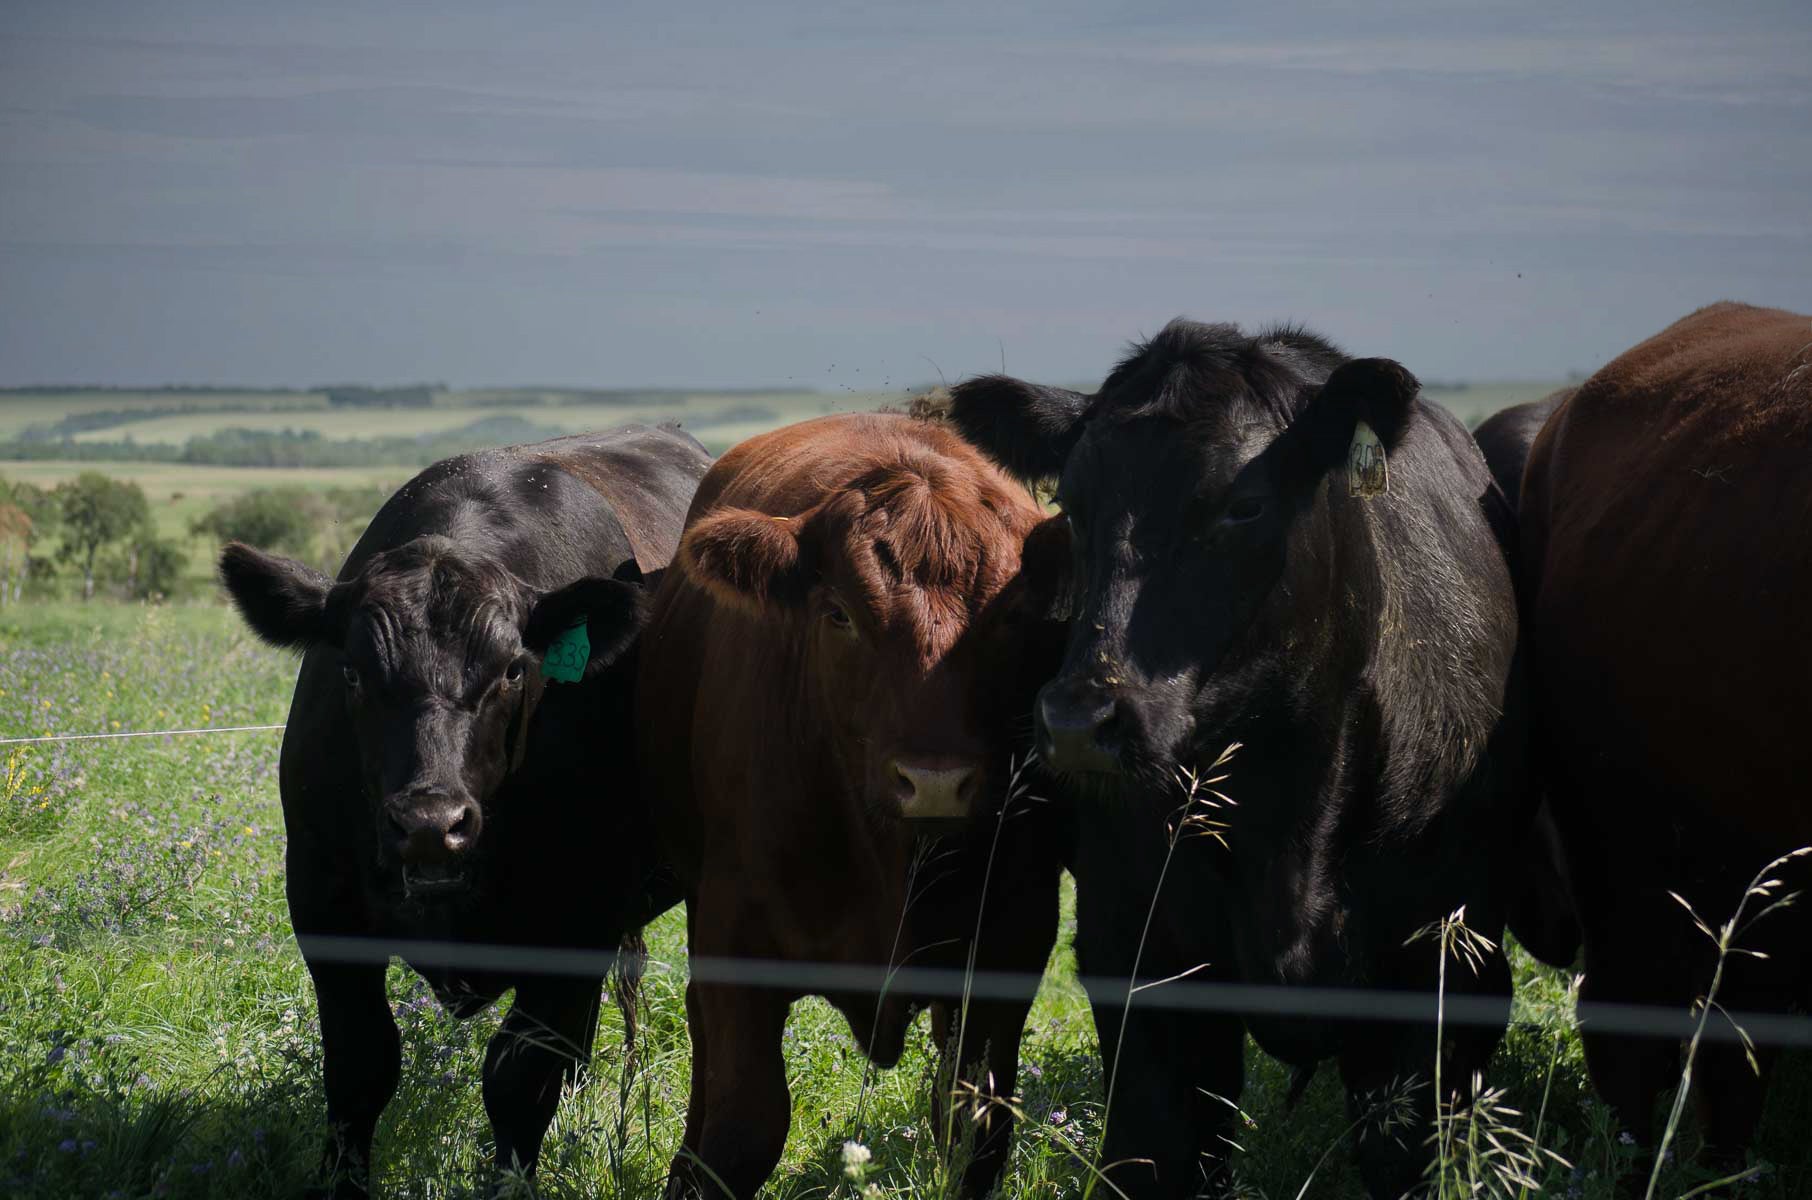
(1545, 677)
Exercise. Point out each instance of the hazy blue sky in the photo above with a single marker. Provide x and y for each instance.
(842, 194)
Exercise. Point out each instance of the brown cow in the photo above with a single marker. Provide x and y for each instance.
(1667, 536)
(838, 672)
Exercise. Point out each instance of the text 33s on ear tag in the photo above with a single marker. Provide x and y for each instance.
(1367, 474)
(564, 661)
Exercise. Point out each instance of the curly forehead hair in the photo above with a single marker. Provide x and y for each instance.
(431, 585)
(938, 522)
(1189, 370)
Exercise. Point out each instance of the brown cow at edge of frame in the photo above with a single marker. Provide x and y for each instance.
(1666, 525)
(836, 677)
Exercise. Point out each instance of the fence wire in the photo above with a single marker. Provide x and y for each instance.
(134, 733)
(1185, 992)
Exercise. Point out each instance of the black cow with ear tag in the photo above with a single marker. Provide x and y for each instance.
(458, 772)
(1276, 547)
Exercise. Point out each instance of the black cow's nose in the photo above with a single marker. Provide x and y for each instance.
(1076, 727)
(433, 829)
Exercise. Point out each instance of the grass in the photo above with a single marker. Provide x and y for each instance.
(158, 1037)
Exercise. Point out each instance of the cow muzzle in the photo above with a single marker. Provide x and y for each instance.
(1078, 727)
(934, 789)
(432, 834)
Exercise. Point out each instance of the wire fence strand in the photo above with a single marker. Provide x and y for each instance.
(1183, 992)
(135, 733)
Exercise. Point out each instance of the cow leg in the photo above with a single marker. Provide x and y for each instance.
(1387, 1072)
(1470, 1043)
(361, 1060)
(1728, 1096)
(695, 1098)
(1629, 1072)
(741, 1131)
(979, 1095)
(1171, 1122)
(541, 1046)
(1176, 1074)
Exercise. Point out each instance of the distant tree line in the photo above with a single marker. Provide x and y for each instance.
(236, 447)
(71, 424)
(346, 395)
(194, 389)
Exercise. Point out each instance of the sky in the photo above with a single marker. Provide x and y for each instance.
(852, 194)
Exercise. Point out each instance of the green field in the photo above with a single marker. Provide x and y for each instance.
(158, 1037)
(718, 418)
(19, 410)
(179, 493)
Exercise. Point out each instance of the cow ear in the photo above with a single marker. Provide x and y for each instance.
(1044, 566)
(747, 559)
(612, 611)
(284, 602)
(1359, 417)
(1026, 428)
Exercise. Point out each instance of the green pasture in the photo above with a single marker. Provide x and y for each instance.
(158, 1034)
(715, 417)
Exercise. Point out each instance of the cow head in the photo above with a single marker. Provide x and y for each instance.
(1197, 487)
(437, 652)
(901, 604)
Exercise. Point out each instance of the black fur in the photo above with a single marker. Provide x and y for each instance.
(1229, 589)
(1024, 426)
(283, 601)
(420, 697)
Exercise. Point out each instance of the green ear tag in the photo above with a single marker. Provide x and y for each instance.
(564, 661)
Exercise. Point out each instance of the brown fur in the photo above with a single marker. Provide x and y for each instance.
(1667, 534)
(771, 727)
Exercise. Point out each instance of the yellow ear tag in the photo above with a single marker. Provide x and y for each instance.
(1367, 474)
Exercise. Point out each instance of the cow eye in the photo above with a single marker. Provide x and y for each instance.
(350, 674)
(838, 618)
(1247, 508)
(513, 673)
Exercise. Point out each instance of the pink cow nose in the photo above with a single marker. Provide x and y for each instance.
(931, 789)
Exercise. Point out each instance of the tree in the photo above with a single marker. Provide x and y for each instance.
(160, 566)
(282, 519)
(27, 513)
(97, 511)
(15, 542)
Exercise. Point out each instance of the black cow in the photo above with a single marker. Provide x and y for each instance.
(444, 786)
(1280, 547)
(1505, 437)
(1541, 913)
